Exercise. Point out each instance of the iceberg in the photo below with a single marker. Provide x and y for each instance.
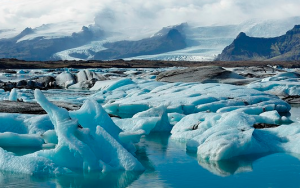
(152, 120)
(9, 139)
(87, 75)
(111, 84)
(65, 79)
(223, 136)
(80, 147)
(283, 84)
(216, 121)
(187, 98)
(13, 96)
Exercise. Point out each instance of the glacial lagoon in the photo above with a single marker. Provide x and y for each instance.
(169, 165)
(164, 156)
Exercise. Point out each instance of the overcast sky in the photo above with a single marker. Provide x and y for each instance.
(141, 13)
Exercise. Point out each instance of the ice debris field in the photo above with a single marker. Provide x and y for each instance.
(216, 121)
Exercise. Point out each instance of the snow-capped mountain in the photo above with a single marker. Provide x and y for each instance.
(180, 42)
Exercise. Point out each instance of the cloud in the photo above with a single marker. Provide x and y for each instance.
(140, 16)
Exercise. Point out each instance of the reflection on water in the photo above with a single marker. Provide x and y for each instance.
(111, 179)
(233, 166)
(169, 165)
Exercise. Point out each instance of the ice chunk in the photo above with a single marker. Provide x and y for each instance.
(50, 137)
(21, 72)
(96, 115)
(84, 148)
(273, 116)
(65, 79)
(86, 75)
(25, 123)
(175, 117)
(219, 136)
(160, 112)
(188, 98)
(111, 84)
(152, 120)
(81, 85)
(28, 164)
(9, 139)
(132, 125)
(13, 96)
(38, 124)
(281, 84)
(13, 123)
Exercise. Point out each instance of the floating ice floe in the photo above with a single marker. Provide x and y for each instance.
(154, 119)
(218, 121)
(9, 139)
(219, 136)
(89, 143)
(282, 84)
(185, 98)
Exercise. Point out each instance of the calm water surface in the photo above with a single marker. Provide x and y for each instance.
(169, 165)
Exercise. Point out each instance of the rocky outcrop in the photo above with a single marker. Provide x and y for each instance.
(84, 79)
(283, 48)
(31, 108)
(264, 126)
(206, 74)
(292, 99)
(47, 82)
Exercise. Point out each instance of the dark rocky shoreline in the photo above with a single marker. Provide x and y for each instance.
(120, 63)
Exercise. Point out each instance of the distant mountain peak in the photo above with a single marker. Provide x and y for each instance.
(295, 30)
(174, 33)
(241, 35)
(282, 48)
(296, 27)
(27, 31)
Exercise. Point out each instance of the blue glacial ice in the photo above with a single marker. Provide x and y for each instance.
(214, 120)
(282, 84)
(13, 96)
(86, 146)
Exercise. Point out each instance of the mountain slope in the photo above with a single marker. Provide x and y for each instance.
(186, 43)
(173, 40)
(41, 48)
(285, 47)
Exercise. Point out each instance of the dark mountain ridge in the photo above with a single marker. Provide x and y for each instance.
(172, 40)
(40, 48)
(282, 48)
(43, 49)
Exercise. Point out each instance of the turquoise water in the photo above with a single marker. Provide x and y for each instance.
(169, 165)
